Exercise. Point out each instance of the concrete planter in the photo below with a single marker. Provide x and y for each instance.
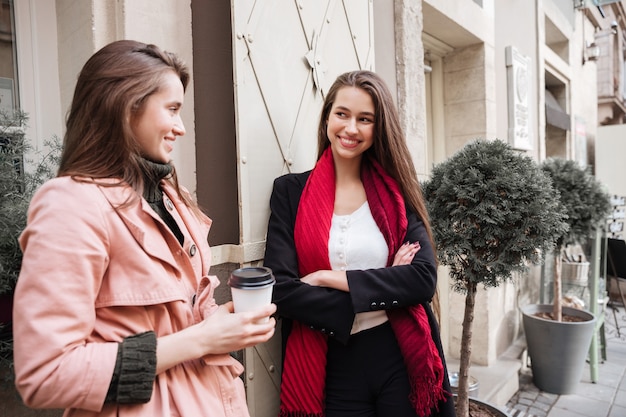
(557, 350)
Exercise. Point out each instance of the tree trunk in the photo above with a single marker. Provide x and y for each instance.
(462, 404)
(558, 297)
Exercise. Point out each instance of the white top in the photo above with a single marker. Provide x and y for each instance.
(355, 242)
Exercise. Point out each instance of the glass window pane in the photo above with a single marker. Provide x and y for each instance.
(8, 65)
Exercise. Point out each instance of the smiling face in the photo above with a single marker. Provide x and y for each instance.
(350, 124)
(158, 123)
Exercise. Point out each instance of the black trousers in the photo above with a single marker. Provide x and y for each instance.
(367, 377)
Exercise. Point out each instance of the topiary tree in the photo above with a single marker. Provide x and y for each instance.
(586, 205)
(493, 213)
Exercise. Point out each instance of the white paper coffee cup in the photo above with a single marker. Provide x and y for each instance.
(251, 288)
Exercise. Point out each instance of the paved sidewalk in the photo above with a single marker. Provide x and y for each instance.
(605, 398)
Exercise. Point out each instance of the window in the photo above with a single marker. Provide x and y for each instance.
(11, 134)
(8, 64)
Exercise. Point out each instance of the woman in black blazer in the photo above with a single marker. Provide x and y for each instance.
(351, 249)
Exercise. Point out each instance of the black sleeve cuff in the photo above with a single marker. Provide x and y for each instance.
(135, 370)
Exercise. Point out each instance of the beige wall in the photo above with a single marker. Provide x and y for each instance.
(38, 70)
(51, 52)
(84, 27)
(584, 94)
(516, 26)
(610, 154)
(474, 105)
(464, 34)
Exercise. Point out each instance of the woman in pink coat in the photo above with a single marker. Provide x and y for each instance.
(114, 311)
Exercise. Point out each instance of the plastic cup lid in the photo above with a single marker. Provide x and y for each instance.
(251, 277)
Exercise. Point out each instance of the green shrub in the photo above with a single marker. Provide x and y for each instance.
(587, 206)
(17, 186)
(586, 202)
(493, 211)
(19, 179)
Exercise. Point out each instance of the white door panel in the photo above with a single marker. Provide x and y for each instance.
(286, 56)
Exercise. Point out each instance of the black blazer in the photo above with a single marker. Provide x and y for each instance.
(332, 311)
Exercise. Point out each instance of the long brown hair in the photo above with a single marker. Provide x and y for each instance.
(112, 87)
(389, 147)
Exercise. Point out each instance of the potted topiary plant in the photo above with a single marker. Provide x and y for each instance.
(493, 213)
(558, 337)
(587, 206)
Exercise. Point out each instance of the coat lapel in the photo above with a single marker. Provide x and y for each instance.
(140, 220)
(198, 229)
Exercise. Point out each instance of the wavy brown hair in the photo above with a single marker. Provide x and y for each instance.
(389, 147)
(112, 88)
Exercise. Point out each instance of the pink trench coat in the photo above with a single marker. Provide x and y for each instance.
(92, 275)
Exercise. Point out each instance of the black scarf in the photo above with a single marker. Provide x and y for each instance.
(153, 173)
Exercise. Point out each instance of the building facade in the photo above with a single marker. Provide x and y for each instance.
(525, 72)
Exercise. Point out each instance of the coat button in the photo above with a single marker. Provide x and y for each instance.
(192, 250)
(382, 304)
(394, 303)
(373, 305)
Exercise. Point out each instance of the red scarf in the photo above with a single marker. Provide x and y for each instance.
(304, 371)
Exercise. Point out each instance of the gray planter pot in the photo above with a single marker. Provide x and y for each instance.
(557, 350)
